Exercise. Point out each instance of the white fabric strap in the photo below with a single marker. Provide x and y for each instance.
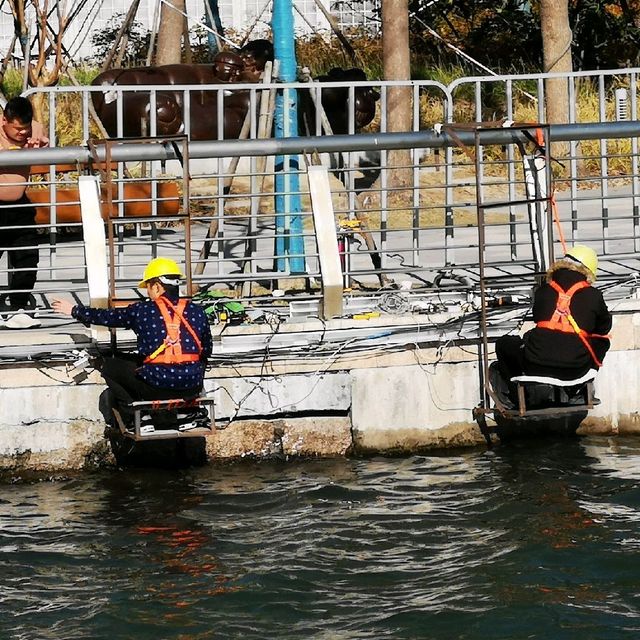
(556, 382)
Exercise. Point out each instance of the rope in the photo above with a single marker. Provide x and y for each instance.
(556, 219)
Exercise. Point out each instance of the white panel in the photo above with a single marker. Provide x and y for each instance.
(95, 244)
(329, 256)
(272, 395)
(95, 248)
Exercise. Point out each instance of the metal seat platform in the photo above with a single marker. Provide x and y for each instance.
(166, 413)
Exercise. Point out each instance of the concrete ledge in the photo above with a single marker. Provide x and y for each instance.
(242, 438)
(627, 424)
(404, 441)
(48, 446)
(374, 401)
(320, 436)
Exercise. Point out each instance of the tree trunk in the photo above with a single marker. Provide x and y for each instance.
(169, 47)
(556, 45)
(396, 64)
(188, 53)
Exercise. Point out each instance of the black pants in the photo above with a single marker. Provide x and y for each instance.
(511, 361)
(120, 375)
(21, 246)
(510, 356)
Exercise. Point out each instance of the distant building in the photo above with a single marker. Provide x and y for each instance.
(237, 15)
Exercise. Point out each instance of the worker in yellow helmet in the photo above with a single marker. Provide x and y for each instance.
(572, 324)
(173, 340)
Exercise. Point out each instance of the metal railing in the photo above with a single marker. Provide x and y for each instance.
(399, 217)
(232, 239)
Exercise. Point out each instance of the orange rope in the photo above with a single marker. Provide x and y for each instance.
(556, 218)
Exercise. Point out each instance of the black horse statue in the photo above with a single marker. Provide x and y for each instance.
(343, 119)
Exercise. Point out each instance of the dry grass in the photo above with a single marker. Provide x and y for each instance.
(398, 205)
(616, 150)
(320, 52)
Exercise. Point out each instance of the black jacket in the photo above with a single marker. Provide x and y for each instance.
(563, 355)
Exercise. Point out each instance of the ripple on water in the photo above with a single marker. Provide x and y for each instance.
(532, 540)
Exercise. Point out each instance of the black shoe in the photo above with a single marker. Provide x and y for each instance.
(25, 304)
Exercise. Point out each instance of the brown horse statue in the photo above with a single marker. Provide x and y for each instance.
(227, 68)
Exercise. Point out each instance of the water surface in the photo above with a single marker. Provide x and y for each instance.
(533, 540)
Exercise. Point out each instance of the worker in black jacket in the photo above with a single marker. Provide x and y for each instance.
(572, 324)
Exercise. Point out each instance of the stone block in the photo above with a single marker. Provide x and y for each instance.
(241, 438)
(317, 436)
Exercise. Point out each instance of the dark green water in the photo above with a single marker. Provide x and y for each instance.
(527, 541)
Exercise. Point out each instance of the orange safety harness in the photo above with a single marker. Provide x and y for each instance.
(562, 320)
(170, 351)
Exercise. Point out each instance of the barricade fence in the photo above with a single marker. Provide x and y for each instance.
(405, 204)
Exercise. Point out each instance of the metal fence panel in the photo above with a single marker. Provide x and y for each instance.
(400, 217)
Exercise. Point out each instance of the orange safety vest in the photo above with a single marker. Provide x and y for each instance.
(563, 321)
(170, 351)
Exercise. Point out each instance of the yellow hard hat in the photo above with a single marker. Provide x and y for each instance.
(159, 267)
(585, 256)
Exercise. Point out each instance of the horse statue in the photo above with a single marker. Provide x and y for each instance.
(226, 69)
(342, 121)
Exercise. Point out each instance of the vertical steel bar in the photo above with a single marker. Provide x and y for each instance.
(481, 272)
(604, 166)
(573, 162)
(511, 178)
(635, 184)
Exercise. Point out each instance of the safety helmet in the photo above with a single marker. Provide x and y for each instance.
(157, 268)
(586, 256)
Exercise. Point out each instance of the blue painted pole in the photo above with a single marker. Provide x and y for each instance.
(289, 240)
(212, 19)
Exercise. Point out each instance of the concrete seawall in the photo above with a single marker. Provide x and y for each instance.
(381, 400)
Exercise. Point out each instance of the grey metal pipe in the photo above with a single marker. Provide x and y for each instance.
(160, 150)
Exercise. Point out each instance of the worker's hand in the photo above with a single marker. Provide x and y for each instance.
(37, 143)
(62, 306)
